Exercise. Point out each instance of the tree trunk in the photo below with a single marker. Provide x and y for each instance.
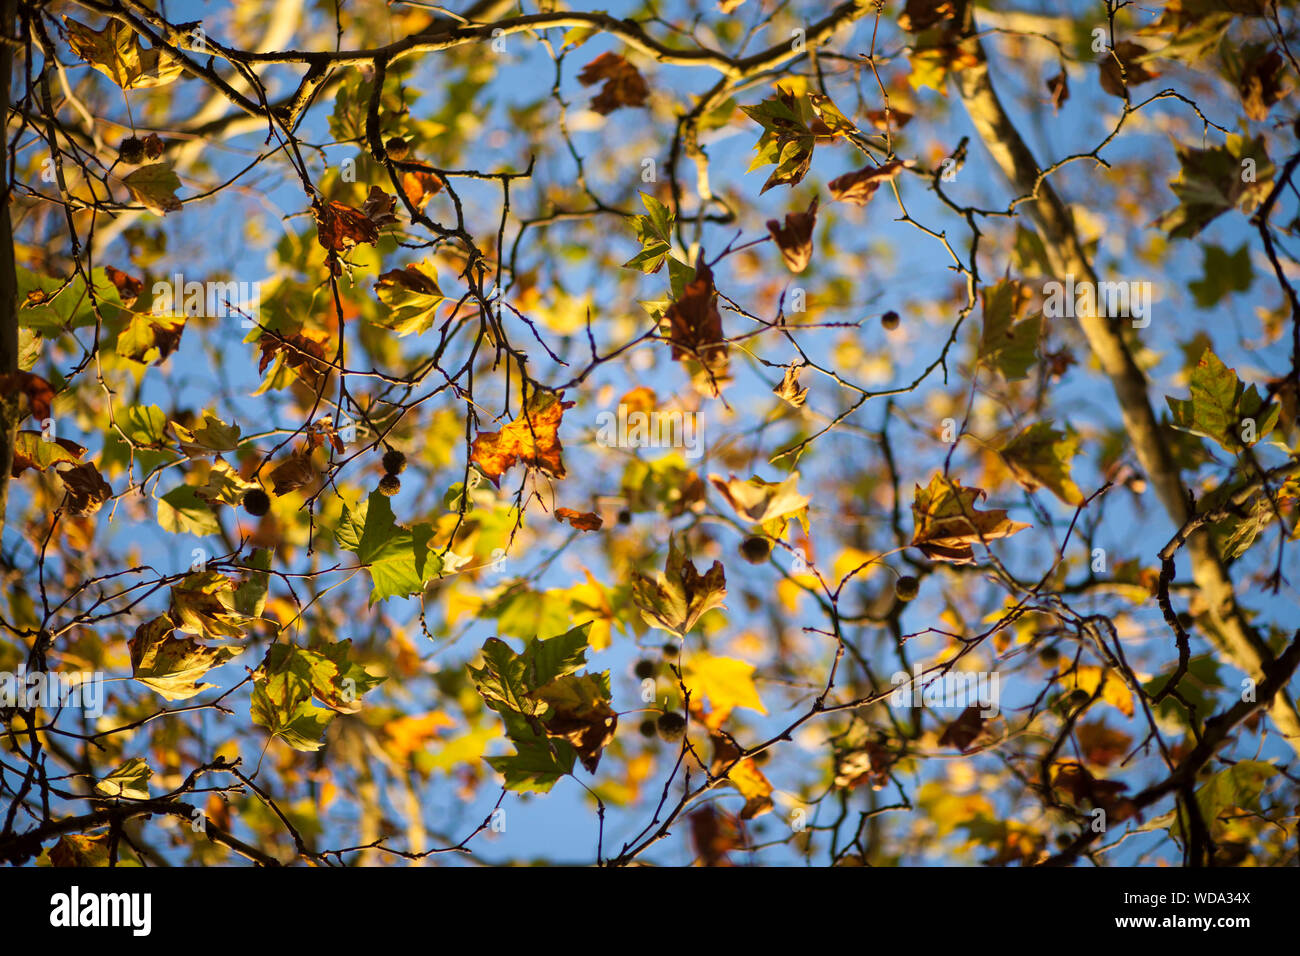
(1230, 631)
(9, 401)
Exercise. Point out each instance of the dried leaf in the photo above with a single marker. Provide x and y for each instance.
(582, 520)
(624, 85)
(532, 438)
(794, 239)
(858, 187)
(948, 524)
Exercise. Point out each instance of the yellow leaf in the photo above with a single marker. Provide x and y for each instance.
(725, 681)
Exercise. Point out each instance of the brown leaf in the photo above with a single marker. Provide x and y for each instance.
(948, 524)
(1082, 786)
(582, 520)
(624, 85)
(291, 474)
(339, 226)
(1262, 84)
(532, 438)
(153, 146)
(794, 239)
(1100, 744)
(858, 187)
(790, 390)
(304, 354)
(891, 119)
(1059, 88)
(31, 450)
(40, 394)
(714, 834)
(695, 325)
(86, 487)
(581, 715)
(963, 731)
(128, 287)
(870, 765)
(920, 15)
(1125, 53)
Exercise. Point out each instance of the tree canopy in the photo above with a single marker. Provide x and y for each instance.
(708, 432)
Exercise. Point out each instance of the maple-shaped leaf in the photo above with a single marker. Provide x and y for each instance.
(304, 352)
(149, 338)
(1041, 455)
(203, 603)
(224, 484)
(31, 450)
(412, 296)
(291, 678)
(532, 438)
(1262, 80)
(210, 437)
(677, 597)
(128, 287)
(87, 490)
(769, 504)
(400, 560)
(858, 187)
(624, 85)
(582, 520)
(115, 51)
(948, 524)
(695, 327)
(129, 781)
(580, 714)
(794, 239)
(792, 126)
(154, 187)
(171, 665)
(1237, 175)
(183, 511)
(1007, 343)
(655, 233)
(339, 226)
(1222, 408)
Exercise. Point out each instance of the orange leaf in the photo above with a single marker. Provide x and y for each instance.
(532, 438)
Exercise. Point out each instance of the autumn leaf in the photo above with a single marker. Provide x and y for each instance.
(115, 51)
(150, 338)
(726, 682)
(792, 126)
(858, 187)
(1132, 58)
(154, 187)
(624, 85)
(768, 504)
(296, 471)
(81, 850)
(695, 327)
(38, 392)
(1058, 89)
(339, 226)
(412, 296)
(87, 490)
(420, 185)
(580, 714)
(203, 604)
(789, 390)
(1008, 343)
(963, 731)
(1211, 181)
(1041, 455)
(582, 520)
(1222, 408)
(794, 239)
(129, 781)
(31, 450)
(169, 665)
(677, 597)
(532, 438)
(948, 524)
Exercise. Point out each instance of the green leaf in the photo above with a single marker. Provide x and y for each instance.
(1235, 788)
(182, 511)
(399, 559)
(1224, 274)
(536, 764)
(1006, 344)
(150, 338)
(412, 296)
(154, 187)
(250, 596)
(171, 665)
(31, 450)
(1041, 455)
(1237, 175)
(291, 677)
(655, 233)
(677, 597)
(1221, 408)
(50, 305)
(145, 424)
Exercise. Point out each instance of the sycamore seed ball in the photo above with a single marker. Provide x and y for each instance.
(397, 148)
(672, 726)
(890, 320)
(389, 485)
(256, 503)
(645, 668)
(648, 728)
(906, 587)
(132, 150)
(394, 462)
(755, 549)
